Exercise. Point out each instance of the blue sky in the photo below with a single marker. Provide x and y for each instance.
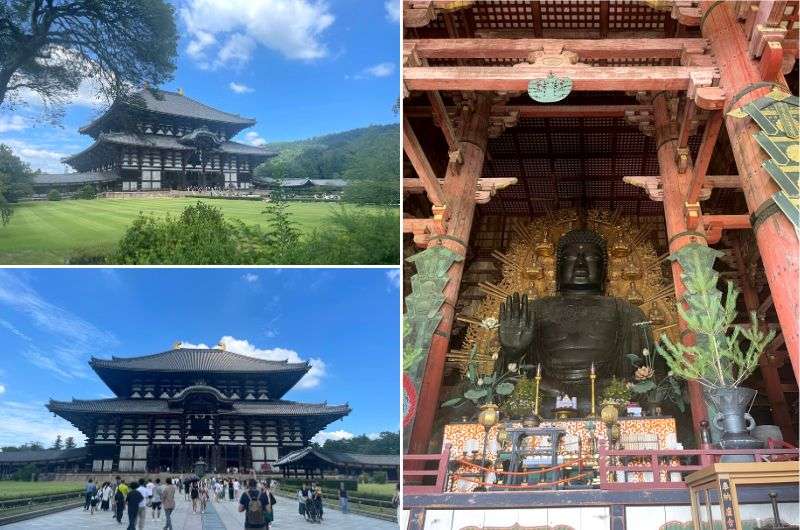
(344, 321)
(301, 68)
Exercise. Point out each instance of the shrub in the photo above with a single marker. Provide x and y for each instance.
(26, 473)
(53, 195)
(379, 477)
(87, 192)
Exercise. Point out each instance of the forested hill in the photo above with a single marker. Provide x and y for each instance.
(370, 153)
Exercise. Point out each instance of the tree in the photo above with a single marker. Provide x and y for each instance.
(50, 46)
(58, 444)
(386, 443)
(283, 235)
(87, 192)
(54, 195)
(15, 181)
(69, 443)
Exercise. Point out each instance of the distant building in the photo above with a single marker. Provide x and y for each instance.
(161, 140)
(45, 460)
(313, 461)
(184, 405)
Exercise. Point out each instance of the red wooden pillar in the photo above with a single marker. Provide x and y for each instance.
(460, 185)
(676, 187)
(777, 240)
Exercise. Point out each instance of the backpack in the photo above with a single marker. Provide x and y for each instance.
(255, 512)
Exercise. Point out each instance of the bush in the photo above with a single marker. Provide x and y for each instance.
(87, 192)
(25, 473)
(53, 195)
(379, 477)
(200, 236)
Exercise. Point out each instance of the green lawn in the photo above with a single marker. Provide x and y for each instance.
(386, 490)
(12, 490)
(49, 232)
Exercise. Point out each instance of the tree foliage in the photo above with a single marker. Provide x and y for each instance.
(87, 192)
(387, 443)
(58, 444)
(16, 180)
(50, 46)
(69, 443)
(368, 158)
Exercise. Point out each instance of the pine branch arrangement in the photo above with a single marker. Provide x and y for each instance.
(717, 359)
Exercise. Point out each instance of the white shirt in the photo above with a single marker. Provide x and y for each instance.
(145, 494)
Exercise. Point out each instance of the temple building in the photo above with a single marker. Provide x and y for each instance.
(560, 160)
(161, 140)
(184, 406)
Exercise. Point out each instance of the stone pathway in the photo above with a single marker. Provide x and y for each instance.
(219, 516)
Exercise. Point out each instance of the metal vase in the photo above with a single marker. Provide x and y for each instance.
(734, 421)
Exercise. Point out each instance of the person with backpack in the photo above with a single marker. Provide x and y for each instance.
(89, 491)
(254, 503)
(119, 501)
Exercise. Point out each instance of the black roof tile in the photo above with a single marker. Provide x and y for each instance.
(198, 360)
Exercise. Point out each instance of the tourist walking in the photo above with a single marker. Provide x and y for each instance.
(203, 497)
(145, 492)
(269, 516)
(396, 500)
(155, 499)
(194, 493)
(105, 496)
(168, 501)
(255, 504)
(236, 488)
(342, 497)
(135, 498)
(119, 502)
(318, 504)
(303, 496)
(230, 490)
(90, 491)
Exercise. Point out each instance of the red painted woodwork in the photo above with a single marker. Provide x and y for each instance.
(675, 185)
(551, 111)
(777, 240)
(703, 159)
(460, 185)
(510, 78)
(414, 472)
(416, 155)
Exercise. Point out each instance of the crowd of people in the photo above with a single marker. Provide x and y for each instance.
(137, 497)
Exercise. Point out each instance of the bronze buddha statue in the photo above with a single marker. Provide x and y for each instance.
(578, 326)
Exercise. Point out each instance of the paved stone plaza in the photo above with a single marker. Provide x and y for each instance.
(221, 516)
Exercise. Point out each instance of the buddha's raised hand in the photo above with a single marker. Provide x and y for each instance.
(516, 324)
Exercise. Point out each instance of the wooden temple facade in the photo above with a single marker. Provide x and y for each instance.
(176, 408)
(156, 139)
(654, 128)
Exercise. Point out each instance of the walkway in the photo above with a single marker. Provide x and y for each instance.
(220, 516)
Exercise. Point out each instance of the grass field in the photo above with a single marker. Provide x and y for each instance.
(386, 490)
(49, 232)
(13, 490)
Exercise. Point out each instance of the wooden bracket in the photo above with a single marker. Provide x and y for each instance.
(417, 14)
(771, 61)
(423, 229)
(715, 224)
(763, 34)
(693, 215)
(710, 98)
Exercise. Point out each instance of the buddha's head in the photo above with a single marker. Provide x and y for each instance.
(581, 261)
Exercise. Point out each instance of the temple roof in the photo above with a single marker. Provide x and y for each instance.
(336, 458)
(161, 406)
(198, 360)
(296, 183)
(73, 178)
(173, 104)
(43, 455)
(155, 141)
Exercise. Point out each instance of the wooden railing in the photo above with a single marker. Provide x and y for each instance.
(660, 462)
(418, 468)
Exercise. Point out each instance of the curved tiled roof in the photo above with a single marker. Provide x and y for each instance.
(175, 104)
(74, 178)
(167, 142)
(337, 458)
(156, 406)
(198, 360)
(44, 455)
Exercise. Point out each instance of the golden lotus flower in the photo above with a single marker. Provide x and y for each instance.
(643, 372)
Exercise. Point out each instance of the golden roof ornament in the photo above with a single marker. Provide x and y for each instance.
(176, 345)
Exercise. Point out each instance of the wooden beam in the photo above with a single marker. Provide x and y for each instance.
(489, 48)
(584, 78)
(547, 111)
(771, 61)
(423, 229)
(487, 187)
(707, 143)
(414, 152)
(716, 224)
(441, 118)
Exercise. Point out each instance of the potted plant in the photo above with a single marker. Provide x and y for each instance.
(519, 404)
(717, 360)
(654, 387)
(616, 392)
(483, 391)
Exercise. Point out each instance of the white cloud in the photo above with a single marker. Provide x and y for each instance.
(394, 278)
(12, 123)
(250, 277)
(380, 70)
(32, 422)
(253, 138)
(243, 347)
(392, 10)
(69, 337)
(2, 389)
(45, 159)
(240, 88)
(293, 28)
(374, 435)
(324, 436)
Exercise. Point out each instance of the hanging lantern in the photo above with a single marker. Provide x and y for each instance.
(488, 415)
